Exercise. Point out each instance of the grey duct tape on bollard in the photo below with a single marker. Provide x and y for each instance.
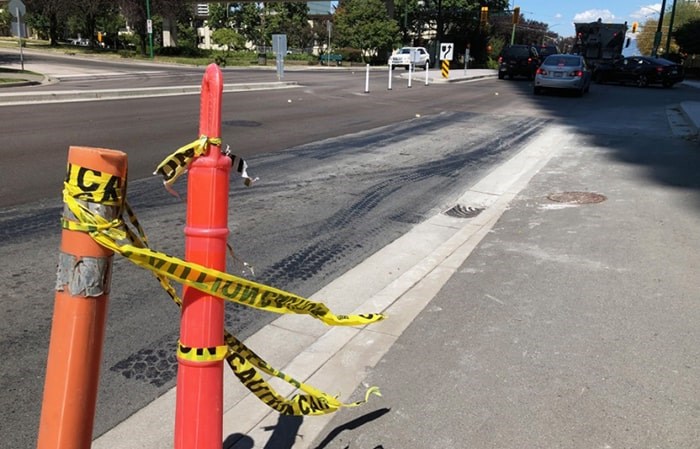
(86, 276)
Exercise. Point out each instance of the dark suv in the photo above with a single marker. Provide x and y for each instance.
(546, 50)
(518, 60)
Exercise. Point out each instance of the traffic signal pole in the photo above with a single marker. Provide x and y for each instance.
(516, 19)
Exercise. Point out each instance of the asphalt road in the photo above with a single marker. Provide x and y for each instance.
(343, 173)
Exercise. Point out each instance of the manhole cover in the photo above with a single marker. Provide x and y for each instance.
(460, 211)
(577, 197)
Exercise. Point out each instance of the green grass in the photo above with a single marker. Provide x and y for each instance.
(26, 72)
(233, 59)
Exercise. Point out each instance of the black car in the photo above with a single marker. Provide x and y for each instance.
(640, 70)
(518, 60)
(546, 50)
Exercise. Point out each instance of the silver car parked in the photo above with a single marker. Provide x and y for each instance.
(560, 71)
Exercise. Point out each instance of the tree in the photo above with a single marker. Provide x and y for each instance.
(228, 38)
(90, 12)
(136, 15)
(246, 18)
(685, 12)
(426, 22)
(291, 19)
(364, 25)
(645, 36)
(5, 22)
(46, 16)
(219, 15)
(688, 37)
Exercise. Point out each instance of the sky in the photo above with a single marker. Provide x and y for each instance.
(560, 15)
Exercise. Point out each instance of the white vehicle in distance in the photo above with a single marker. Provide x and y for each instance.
(405, 56)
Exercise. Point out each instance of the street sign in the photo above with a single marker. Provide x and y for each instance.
(17, 7)
(149, 26)
(279, 44)
(279, 48)
(446, 51)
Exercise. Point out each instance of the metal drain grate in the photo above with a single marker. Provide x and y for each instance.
(460, 211)
(242, 123)
(577, 197)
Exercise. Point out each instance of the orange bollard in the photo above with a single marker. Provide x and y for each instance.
(80, 308)
(199, 397)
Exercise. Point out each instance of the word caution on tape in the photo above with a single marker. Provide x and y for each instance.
(84, 188)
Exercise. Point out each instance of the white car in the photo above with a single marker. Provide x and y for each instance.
(405, 56)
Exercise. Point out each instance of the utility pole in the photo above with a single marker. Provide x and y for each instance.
(657, 36)
(149, 27)
(670, 28)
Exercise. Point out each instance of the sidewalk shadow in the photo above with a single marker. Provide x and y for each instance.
(283, 436)
(238, 441)
(354, 424)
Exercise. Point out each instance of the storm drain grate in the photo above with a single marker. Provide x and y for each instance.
(577, 197)
(242, 123)
(460, 211)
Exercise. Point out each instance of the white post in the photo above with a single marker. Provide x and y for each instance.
(466, 60)
(427, 69)
(389, 88)
(367, 80)
(410, 73)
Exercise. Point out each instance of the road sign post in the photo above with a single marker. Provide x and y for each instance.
(279, 48)
(18, 9)
(446, 55)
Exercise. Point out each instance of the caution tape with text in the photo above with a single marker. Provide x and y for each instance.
(125, 236)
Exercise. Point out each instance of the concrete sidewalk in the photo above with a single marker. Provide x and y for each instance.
(570, 323)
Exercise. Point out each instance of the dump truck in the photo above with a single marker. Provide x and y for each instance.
(599, 42)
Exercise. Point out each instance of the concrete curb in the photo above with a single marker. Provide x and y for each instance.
(17, 98)
(23, 79)
(691, 112)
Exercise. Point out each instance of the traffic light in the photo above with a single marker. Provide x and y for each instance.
(634, 27)
(516, 15)
(484, 14)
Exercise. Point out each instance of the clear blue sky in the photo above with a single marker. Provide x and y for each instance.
(561, 14)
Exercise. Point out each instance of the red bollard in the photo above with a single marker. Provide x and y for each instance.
(80, 308)
(199, 403)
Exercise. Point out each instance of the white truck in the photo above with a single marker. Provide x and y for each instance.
(405, 56)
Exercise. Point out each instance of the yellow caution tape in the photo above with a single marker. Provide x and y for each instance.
(210, 354)
(93, 186)
(176, 164)
(243, 362)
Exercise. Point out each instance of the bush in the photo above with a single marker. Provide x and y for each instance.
(350, 54)
(492, 63)
(187, 51)
(220, 60)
